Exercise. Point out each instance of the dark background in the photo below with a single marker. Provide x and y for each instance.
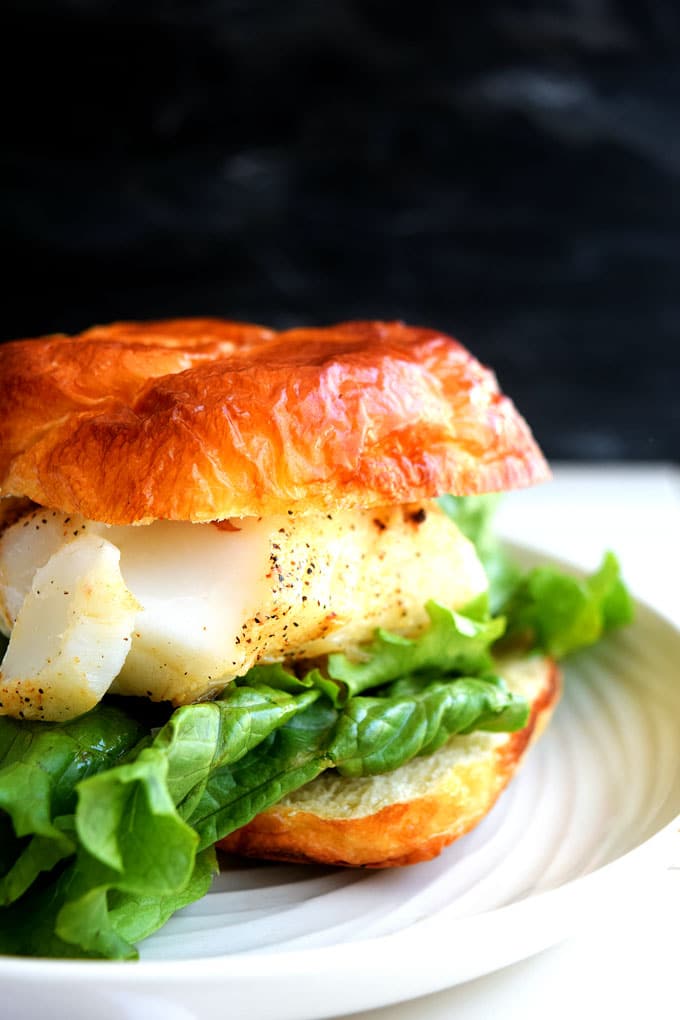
(505, 171)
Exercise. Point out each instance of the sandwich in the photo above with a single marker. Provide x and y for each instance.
(252, 602)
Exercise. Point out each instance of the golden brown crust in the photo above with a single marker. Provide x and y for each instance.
(409, 831)
(202, 419)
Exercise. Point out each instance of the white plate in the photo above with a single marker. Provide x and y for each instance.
(593, 810)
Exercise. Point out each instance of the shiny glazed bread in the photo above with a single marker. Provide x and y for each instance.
(202, 419)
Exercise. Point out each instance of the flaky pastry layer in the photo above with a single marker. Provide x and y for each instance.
(202, 419)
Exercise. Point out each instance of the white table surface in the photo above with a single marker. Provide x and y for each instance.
(628, 966)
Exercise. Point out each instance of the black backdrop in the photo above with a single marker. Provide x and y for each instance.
(507, 171)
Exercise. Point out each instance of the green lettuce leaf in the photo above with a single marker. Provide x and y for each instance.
(131, 840)
(126, 820)
(136, 916)
(38, 855)
(608, 589)
(290, 757)
(547, 609)
(135, 844)
(198, 739)
(558, 614)
(64, 920)
(376, 735)
(453, 644)
(41, 765)
(277, 676)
